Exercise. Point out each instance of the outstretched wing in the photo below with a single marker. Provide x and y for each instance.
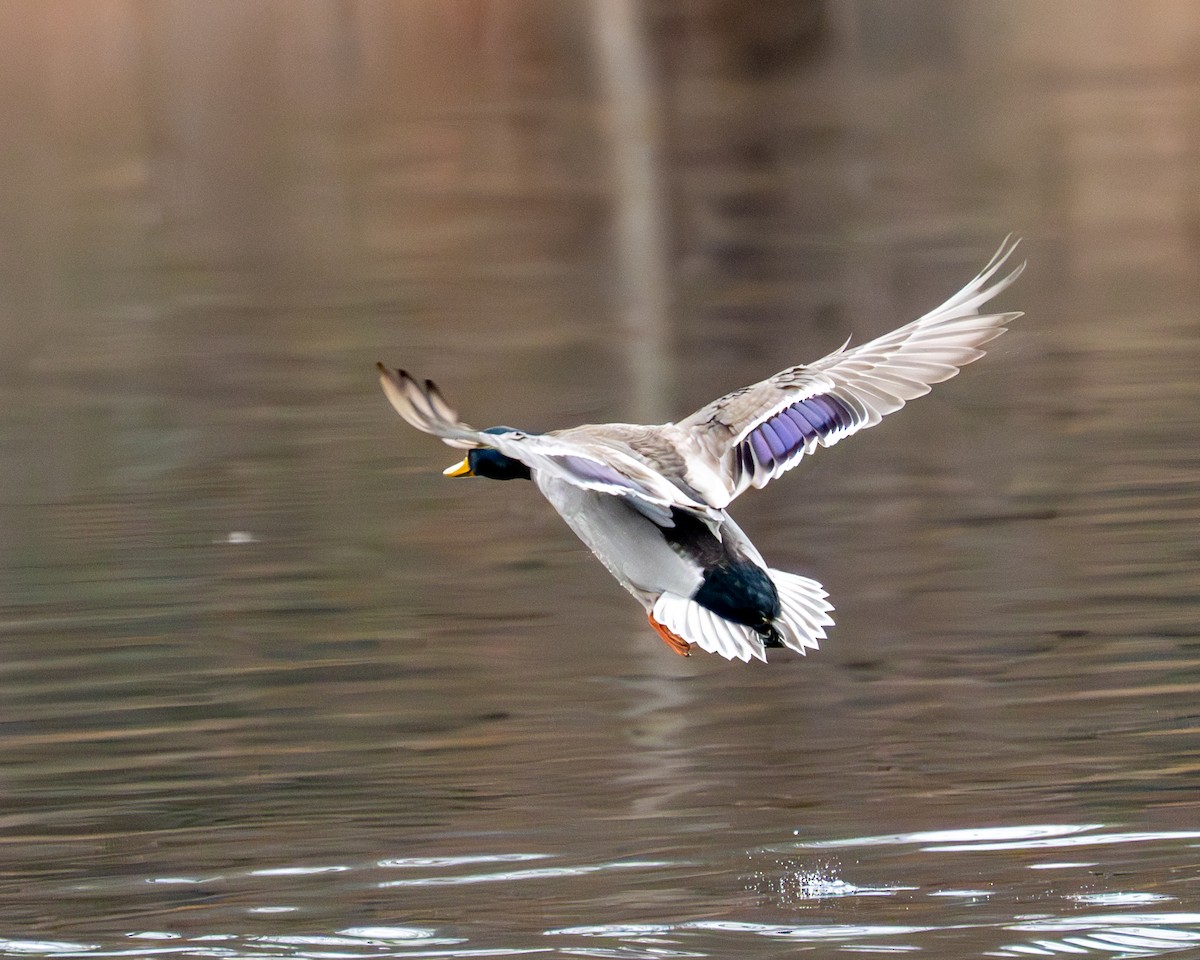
(423, 405)
(759, 432)
(598, 463)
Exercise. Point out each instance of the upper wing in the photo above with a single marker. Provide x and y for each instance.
(592, 461)
(760, 431)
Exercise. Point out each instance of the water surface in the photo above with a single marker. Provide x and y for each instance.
(271, 686)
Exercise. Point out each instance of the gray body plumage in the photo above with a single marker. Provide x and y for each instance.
(629, 544)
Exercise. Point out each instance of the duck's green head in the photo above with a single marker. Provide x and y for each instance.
(490, 463)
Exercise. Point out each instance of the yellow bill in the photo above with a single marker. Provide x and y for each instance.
(462, 469)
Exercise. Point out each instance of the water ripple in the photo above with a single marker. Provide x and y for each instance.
(419, 862)
(1119, 899)
(1092, 840)
(388, 935)
(1130, 935)
(296, 871)
(808, 932)
(538, 873)
(975, 835)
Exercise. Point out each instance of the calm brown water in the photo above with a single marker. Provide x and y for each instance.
(271, 687)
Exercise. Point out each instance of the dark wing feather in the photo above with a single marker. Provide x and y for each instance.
(423, 406)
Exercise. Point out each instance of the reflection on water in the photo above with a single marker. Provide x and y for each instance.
(270, 686)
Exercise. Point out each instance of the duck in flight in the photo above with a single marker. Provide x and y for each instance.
(650, 500)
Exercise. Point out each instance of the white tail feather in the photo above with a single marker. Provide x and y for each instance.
(805, 610)
(699, 625)
(803, 617)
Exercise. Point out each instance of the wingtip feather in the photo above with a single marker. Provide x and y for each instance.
(424, 407)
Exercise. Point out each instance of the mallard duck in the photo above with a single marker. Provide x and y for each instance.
(650, 501)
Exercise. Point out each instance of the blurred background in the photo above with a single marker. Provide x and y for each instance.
(270, 685)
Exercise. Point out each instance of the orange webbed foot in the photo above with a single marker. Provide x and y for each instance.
(674, 641)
